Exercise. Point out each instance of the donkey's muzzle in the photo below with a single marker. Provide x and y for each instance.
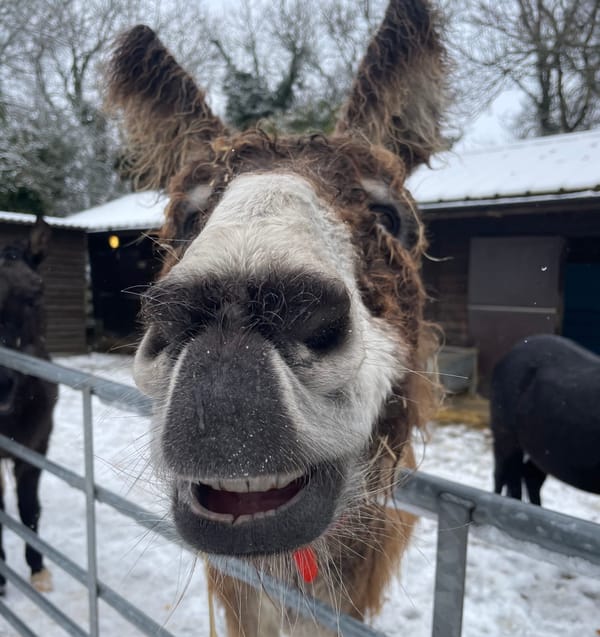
(227, 415)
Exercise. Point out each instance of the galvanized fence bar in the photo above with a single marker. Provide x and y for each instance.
(20, 451)
(15, 621)
(39, 600)
(127, 610)
(123, 396)
(454, 517)
(90, 512)
(554, 532)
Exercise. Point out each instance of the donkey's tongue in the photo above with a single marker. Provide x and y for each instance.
(249, 503)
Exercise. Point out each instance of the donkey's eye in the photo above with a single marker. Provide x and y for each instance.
(388, 216)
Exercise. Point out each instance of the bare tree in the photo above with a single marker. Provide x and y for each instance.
(58, 149)
(291, 61)
(286, 62)
(266, 49)
(549, 49)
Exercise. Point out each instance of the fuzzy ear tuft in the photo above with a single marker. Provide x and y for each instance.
(399, 93)
(165, 114)
(39, 242)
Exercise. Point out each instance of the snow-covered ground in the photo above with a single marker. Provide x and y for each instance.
(508, 593)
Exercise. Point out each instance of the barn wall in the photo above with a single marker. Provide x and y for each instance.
(447, 275)
(63, 272)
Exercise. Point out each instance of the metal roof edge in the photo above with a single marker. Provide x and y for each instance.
(433, 206)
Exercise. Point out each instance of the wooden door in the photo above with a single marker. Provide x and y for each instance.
(515, 291)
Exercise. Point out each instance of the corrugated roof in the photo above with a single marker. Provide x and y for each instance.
(555, 164)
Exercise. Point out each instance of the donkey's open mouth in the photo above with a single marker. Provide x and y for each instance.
(260, 515)
(241, 500)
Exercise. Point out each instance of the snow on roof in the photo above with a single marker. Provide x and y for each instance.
(29, 219)
(553, 164)
(136, 211)
(544, 166)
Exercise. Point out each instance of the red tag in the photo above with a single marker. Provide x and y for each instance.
(306, 563)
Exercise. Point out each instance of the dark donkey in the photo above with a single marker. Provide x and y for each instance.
(26, 402)
(545, 416)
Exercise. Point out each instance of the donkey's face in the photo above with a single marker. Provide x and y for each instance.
(21, 319)
(269, 347)
(278, 341)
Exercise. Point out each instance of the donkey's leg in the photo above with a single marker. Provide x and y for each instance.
(534, 478)
(28, 478)
(509, 472)
(2, 555)
(248, 613)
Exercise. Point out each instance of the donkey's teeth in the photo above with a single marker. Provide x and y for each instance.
(242, 500)
(253, 485)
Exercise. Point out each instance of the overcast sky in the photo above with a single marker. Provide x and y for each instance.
(491, 128)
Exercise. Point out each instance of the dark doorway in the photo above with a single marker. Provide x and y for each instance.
(119, 273)
(582, 293)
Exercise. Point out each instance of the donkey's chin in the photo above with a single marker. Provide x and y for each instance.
(264, 515)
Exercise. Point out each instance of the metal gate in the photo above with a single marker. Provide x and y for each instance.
(459, 510)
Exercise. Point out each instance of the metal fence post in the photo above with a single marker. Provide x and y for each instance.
(90, 501)
(454, 516)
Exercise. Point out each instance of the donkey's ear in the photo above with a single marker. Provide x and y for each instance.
(165, 114)
(398, 95)
(39, 242)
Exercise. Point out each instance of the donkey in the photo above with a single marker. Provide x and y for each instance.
(545, 405)
(26, 402)
(284, 345)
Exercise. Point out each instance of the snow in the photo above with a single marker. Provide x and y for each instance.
(553, 164)
(137, 211)
(29, 219)
(507, 593)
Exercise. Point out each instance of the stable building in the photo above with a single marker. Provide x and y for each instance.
(64, 275)
(514, 237)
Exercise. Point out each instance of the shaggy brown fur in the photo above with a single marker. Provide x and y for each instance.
(163, 110)
(389, 125)
(399, 93)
